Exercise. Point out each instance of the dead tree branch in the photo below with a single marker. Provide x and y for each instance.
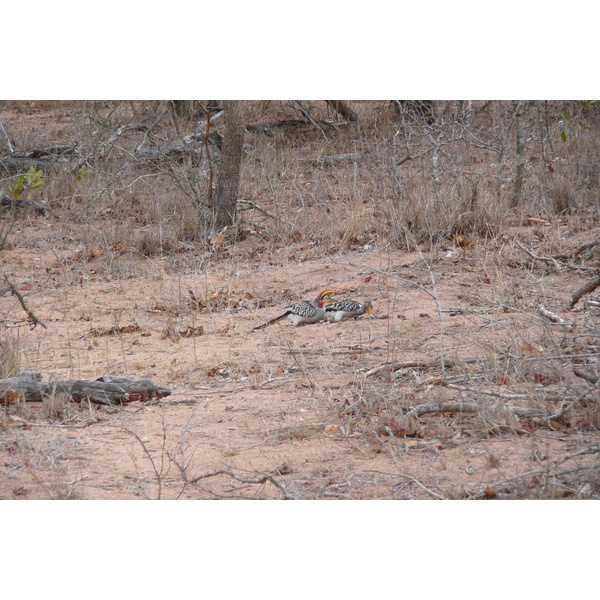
(546, 259)
(31, 318)
(566, 408)
(264, 477)
(470, 407)
(305, 112)
(548, 470)
(579, 250)
(586, 376)
(589, 287)
(391, 367)
(552, 260)
(413, 479)
(264, 211)
(552, 317)
(464, 388)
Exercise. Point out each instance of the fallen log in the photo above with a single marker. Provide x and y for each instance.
(25, 204)
(40, 158)
(28, 387)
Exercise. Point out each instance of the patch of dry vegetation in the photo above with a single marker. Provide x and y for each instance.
(486, 352)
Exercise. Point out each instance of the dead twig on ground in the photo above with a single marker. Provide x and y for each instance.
(32, 319)
(262, 210)
(562, 411)
(546, 259)
(263, 478)
(306, 113)
(396, 366)
(485, 392)
(158, 474)
(586, 376)
(548, 470)
(551, 260)
(413, 479)
(554, 318)
(579, 250)
(470, 407)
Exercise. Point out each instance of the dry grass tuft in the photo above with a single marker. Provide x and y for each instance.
(57, 407)
(10, 356)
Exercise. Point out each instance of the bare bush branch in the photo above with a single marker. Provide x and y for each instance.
(31, 317)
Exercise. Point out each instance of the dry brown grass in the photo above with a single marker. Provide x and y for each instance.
(10, 356)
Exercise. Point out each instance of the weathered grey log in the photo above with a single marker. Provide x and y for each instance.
(97, 391)
(109, 390)
(40, 158)
(25, 385)
(14, 166)
(138, 387)
(589, 287)
(25, 204)
(41, 152)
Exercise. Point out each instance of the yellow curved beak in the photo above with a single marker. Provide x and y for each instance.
(326, 293)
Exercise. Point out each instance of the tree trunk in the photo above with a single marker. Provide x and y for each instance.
(520, 174)
(341, 107)
(225, 200)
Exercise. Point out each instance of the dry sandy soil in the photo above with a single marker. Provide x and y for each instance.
(290, 403)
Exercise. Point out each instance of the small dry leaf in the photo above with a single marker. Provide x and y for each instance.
(191, 331)
(96, 252)
(527, 349)
(490, 492)
(533, 221)
(331, 428)
(217, 240)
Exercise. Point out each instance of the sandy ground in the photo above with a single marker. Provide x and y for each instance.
(273, 413)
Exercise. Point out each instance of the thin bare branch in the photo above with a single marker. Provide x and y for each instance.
(31, 317)
(566, 408)
(413, 479)
(264, 477)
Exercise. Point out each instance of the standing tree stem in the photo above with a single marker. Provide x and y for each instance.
(225, 206)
